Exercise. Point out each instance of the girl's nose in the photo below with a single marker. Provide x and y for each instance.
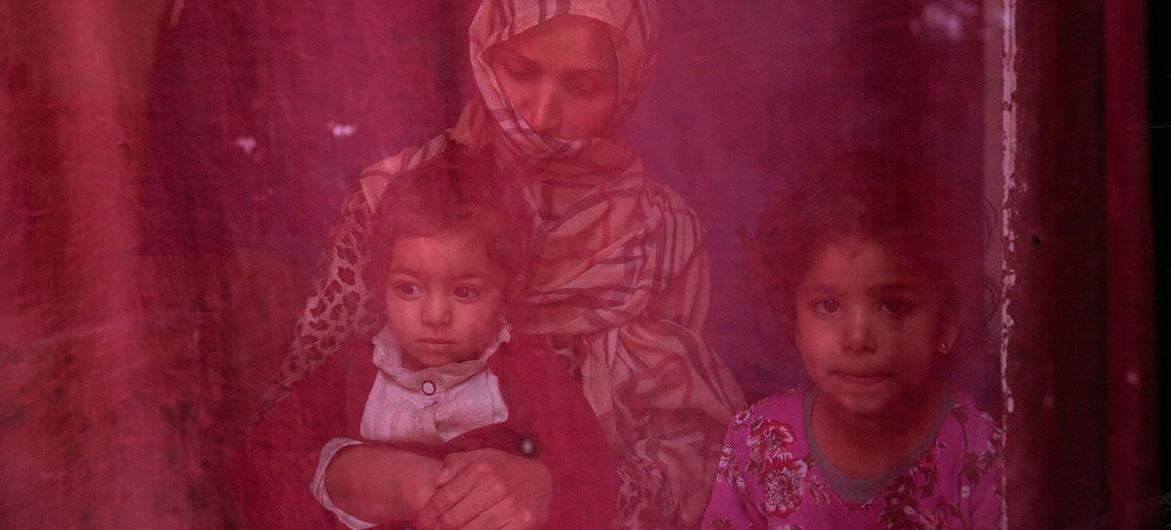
(436, 311)
(544, 110)
(857, 335)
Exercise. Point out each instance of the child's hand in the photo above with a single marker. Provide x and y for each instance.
(491, 489)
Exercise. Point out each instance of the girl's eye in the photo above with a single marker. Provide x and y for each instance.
(466, 293)
(407, 289)
(826, 306)
(896, 307)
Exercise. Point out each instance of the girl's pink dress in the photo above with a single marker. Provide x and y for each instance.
(773, 476)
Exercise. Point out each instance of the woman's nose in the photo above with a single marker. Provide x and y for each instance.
(435, 311)
(857, 335)
(544, 110)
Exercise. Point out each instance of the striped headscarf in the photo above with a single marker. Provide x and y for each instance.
(492, 120)
(634, 30)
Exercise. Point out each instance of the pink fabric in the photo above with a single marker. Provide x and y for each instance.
(768, 477)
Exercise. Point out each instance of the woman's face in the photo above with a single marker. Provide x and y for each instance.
(562, 76)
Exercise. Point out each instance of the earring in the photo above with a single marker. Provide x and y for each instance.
(943, 347)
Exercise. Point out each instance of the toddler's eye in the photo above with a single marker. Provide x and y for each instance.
(896, 307)
(466, 293)
(826, 306)
(407, 289)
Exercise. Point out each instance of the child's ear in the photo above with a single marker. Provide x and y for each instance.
(512, 309)
(949, 332)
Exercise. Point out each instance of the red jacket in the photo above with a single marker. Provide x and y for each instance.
(274, 467)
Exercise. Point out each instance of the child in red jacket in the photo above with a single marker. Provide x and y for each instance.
(446, 419)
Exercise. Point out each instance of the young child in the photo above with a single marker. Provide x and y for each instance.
(873, 267)
(375, 432)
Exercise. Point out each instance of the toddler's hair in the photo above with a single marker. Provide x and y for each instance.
(457, 190)
(921, 215)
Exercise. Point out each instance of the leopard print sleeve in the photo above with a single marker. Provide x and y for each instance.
(339, 308)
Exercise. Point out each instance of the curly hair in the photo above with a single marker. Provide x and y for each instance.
(920, 214)
(458, 190)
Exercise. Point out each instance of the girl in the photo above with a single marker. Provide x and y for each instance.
(873, 267)
(620, 285)
(444, 390)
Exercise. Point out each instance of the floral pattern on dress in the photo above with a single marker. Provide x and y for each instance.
(768, 441)
(784, 485)
(768, 478)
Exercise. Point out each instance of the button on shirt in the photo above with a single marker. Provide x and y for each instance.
(430, 406)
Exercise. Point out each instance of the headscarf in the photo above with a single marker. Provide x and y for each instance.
(492, 120)
(634, 31)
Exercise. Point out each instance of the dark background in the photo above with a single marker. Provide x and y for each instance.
(1160, 142)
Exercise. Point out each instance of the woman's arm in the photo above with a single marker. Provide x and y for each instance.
(286, 461)
(378, 483)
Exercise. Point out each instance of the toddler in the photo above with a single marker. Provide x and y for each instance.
(448, 412)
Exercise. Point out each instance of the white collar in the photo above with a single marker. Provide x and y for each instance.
(388, 357)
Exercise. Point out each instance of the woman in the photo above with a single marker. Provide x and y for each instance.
(622, 284)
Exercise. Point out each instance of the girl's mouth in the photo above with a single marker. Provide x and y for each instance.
(862, 379)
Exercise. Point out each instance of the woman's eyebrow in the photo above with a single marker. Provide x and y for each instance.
(516, 56)
(528, 62)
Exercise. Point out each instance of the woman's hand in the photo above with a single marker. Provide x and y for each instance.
(377, 484)
(489, 489)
